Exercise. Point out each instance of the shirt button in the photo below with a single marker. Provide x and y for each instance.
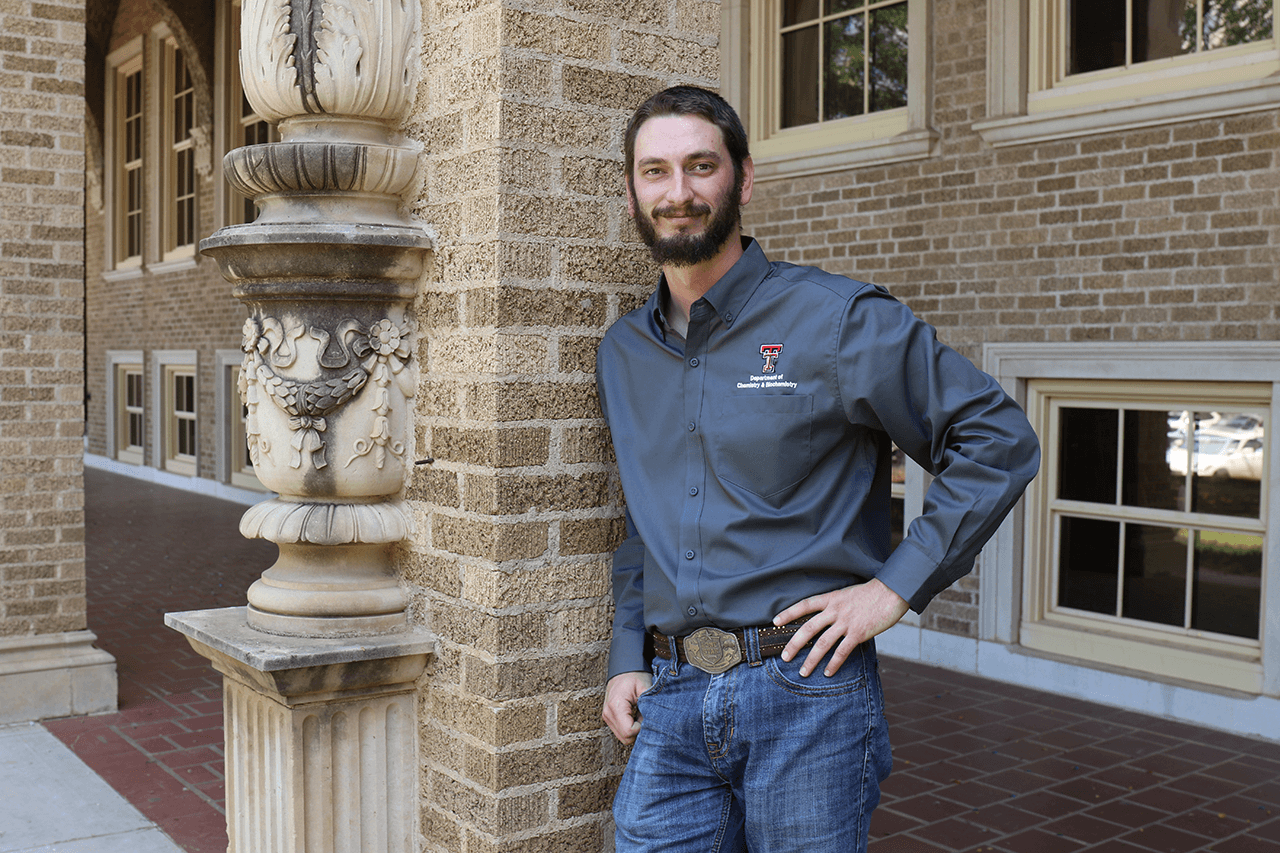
(692, 426)
(693, 362)
(728, 316)
(688, 555)
(692, 611)
(693, 490)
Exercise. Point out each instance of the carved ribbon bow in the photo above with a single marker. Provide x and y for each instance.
(306, 439)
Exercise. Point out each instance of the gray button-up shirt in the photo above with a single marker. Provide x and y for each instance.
(754, 455)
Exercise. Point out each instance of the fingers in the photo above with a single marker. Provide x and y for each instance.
(620, 713)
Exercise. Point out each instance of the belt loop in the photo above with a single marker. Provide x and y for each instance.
(675, 655)
(751, 639)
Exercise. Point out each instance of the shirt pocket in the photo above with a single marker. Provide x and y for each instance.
(763, 443)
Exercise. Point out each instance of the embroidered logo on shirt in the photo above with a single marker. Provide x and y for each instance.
(770, 353)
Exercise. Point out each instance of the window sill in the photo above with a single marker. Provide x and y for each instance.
(909, 145)
(185, 262)
(1234, 98)
(122, 273)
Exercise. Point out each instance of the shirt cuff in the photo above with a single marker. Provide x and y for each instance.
(909, 572)
(626, 652)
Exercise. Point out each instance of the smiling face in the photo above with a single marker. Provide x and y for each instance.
(684, 193)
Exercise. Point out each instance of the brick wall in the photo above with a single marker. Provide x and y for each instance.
(187, 309)
(521, 114)
(41, 319)
(1165, 233)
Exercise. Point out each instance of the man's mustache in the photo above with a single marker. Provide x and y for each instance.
(691, 210)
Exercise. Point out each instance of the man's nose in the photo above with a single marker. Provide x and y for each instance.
(680, 189)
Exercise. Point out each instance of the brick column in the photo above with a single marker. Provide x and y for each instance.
(48, 666)
(521, 115)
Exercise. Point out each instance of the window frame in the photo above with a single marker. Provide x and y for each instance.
(173, 153)
(234, 468)
(229, 98)
(1026, 102)
(122, 63)
(121, 363)
(1012, 593)
(167, 365)
(890, 136)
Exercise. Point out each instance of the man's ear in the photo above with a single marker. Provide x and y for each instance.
(631, 197)
(748, 179)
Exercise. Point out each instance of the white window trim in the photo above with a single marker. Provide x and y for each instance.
(115, 360)
(890, 137)
(167, 47)
(161, 361)
(1101, 102)
(1001, 587)
(130, 52)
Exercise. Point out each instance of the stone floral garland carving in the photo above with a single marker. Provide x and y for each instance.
(381, 351)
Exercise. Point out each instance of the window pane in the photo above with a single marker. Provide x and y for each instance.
(835, 7)
(1231, 22)
(1097, 35)
(1163, 28)
(1155, 574)
(889, 58)
(798, 11)
(1228, 583)
(1087, 454)
(843, 94)
(1088, 564)
(1227, 459)
(800, 77)
(1152, 448)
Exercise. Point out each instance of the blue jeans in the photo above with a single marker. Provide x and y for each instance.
(755, 759)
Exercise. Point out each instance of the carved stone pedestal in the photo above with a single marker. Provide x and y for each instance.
(321, 735)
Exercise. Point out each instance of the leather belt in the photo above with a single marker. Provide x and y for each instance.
(715, 650)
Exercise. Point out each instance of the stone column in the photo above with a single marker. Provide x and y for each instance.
(319, 669)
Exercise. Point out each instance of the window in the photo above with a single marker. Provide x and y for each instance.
(1094, 65)
(244, 126)
(1146, 542)
(129, 414)
(837, 83)
(128, 172)
(180, 172)
(176, 411)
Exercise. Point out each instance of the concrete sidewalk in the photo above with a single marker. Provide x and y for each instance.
(52, 802)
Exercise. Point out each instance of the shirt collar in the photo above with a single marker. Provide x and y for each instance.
(728, 296)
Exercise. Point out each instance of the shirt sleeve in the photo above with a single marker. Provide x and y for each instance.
(951, 418)
(626, 649)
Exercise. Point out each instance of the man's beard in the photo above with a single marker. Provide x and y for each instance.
(686, 250)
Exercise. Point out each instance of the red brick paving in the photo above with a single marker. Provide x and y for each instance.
(994, 768)
(151, 550)
(979, 766)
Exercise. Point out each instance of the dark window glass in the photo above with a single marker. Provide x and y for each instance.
(1152, 442)
(1088, 564)
(800, 77)
(1087, 454)
(1227, 586)
(1155, 574)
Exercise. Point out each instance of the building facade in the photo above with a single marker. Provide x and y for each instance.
(1082, 199)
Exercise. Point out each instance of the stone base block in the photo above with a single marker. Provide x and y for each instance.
(321, 735)
(54, 675)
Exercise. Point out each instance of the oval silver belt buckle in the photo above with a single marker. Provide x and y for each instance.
(712, 650)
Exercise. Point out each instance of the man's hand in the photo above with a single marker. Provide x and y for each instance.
(844, 619)
(620, 711)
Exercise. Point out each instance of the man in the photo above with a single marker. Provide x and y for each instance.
(751, 406)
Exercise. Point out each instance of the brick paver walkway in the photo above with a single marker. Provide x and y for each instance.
(151, 550)
(979, 766)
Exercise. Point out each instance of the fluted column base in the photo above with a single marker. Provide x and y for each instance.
(321, 735)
